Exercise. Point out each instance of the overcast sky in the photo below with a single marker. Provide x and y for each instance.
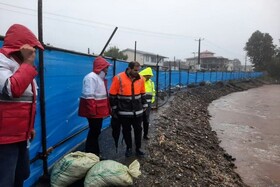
(169, 28)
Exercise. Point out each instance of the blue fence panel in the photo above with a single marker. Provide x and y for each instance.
(120, 66)
(64, 73)
(192, 78)
(226, 76)
(199, 77)
(174, 78)
(166, 80)
(184, 78)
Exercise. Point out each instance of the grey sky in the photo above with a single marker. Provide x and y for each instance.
(164, 27)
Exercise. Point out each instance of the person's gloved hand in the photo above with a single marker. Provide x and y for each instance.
(115, 114)
(32, 134)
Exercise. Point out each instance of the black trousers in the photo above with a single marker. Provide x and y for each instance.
(92, 145)
(146, 120)
(126, 129)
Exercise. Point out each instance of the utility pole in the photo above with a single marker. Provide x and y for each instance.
(245, 63)
(198, 54)
(179, 66)
(44, 154)
(174, 61)
(157, 80)
(135, 45)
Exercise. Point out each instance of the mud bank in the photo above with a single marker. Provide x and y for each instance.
(183, 149)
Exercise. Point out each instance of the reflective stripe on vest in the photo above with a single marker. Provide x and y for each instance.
(130, 113)
(24, 99)
(94, 96)
(149, 96)
(129, 97)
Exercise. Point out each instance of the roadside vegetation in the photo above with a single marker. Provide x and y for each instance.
(263, 54)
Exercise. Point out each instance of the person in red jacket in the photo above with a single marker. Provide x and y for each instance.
(17, 103)
(94, 103)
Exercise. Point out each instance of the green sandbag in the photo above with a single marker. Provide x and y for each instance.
(112, 173)
(71, 168)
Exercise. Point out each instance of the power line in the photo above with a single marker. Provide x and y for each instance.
(212, 43)
(127, 29)
(18, 11)
(86, 22)
(18, 7)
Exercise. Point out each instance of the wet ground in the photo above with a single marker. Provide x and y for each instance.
(248, 123)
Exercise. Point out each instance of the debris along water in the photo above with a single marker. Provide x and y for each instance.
(183, 149)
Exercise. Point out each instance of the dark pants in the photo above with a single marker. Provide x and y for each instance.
(146, 120)
(14, 164)
(92, 145)
(126, 129)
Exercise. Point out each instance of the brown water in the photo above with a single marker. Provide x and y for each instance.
(248, 125)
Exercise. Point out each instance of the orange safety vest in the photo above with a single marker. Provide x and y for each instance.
(128, 96)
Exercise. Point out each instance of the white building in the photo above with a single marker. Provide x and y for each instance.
(144, 58)
(234, 65)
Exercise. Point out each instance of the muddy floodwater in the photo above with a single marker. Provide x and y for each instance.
(248, 125)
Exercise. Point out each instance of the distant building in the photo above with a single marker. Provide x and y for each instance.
(247, 68)
(144, 58)
(210, 62)
(234, 65)
(175, 65)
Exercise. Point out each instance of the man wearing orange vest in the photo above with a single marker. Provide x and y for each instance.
(128, 102)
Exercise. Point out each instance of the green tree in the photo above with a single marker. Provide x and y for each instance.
(277, 53)
(115, 52)
(274, 66)
(260, 50)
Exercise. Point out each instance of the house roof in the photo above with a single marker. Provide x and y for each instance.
(143, 52)
(206, 52)
(206, 57)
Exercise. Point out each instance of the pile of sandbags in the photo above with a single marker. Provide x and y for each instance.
(72, 167)
(78, 165)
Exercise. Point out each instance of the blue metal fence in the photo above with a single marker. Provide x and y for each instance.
(63, 75)
(184, 78)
